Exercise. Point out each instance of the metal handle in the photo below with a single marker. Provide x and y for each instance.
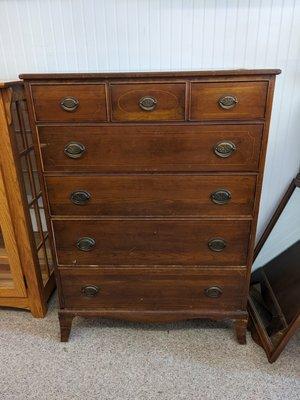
(74, 150)
(221, 196)
(213, 292)
(224, 149)
(147, 103)
(69, 104)
(217, 244)
(86, 243)
(90, 290)
(80, 197)
(228, 102)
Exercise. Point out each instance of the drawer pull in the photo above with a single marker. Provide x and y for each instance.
(228, 102)
(86, 243)
(213, 292)
(221, 196)
(147, 103)
(217, 244)
(90, 290)
(80, 197)
(74, 150)
(224, 149)
(69, 104)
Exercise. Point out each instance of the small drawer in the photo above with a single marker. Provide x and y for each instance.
(69, 102)
(151, 242)
(151, 195)
(148, 102)
(232, 100)
(151, 148)
(153, 290)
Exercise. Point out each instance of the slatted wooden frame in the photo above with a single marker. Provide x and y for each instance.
(26, 266)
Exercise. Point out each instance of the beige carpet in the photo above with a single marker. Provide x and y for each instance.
(112, 360)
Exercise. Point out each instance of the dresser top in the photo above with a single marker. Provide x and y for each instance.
(160, 74)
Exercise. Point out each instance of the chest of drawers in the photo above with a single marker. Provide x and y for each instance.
(152, 184)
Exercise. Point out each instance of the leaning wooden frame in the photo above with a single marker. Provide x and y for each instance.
(274, 299)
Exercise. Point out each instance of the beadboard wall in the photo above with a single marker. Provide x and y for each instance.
(285, 233)
(140, 35)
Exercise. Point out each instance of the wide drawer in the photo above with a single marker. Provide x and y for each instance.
(228, 100)
(69, 102)
(153, 290)
(151, 148)
(151, 242)
(151, 195)
(148, 101)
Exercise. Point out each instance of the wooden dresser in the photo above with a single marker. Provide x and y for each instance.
(152, 184)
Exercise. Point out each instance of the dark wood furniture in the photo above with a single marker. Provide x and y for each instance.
(274, 298)
(152, 183)
(26, 262)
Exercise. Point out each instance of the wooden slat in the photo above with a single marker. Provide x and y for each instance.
(6, 224)
(7, 301)
(20, 245)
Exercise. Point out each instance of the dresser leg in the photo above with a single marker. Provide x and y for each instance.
(240, 326)
(65, 322)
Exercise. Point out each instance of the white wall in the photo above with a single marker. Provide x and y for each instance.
(285, 233)
(121, 35)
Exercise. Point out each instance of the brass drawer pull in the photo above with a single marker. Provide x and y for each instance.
(80, 197)
(90, 290)
(147, 103)
(224, 149)
(217, 244)
(74, 150)
(228, 102)
(213, 292)
(69, 104)
(221, 196)
(86, 243)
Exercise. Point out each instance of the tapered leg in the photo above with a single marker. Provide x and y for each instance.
(65, 322)
(240, 326)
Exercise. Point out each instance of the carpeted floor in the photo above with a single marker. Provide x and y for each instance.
(112, 360)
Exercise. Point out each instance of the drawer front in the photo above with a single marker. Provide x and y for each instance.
(148, 102)
(151, 148)
(153, 290)
(151, 242)
(151, 195)
(232, 100)
(69, 102)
